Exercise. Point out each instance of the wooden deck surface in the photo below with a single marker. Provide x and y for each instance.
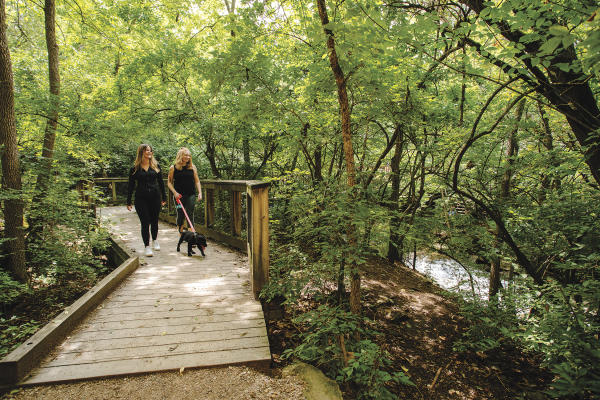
(173, 312)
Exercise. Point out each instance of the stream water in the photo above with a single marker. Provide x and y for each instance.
(451, 276)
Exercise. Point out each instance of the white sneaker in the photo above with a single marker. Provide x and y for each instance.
(155, 245)
(148, 252)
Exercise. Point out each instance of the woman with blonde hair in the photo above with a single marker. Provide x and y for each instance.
(149, 194)
(183, 181)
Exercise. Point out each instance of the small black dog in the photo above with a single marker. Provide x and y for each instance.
(192, 239)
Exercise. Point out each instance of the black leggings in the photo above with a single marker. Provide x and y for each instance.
(147, 210)
(188, 202)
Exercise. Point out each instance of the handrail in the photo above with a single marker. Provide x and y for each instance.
(256, 244)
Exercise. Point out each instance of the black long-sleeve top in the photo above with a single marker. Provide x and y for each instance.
(149, 184)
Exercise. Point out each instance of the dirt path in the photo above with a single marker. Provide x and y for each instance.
(234, 382)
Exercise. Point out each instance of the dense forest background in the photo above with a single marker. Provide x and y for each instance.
(387, 128)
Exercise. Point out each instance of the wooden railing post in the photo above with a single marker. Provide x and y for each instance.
(114, 191)
(236, 213)
(258, 235)
(209, 208)
(90, 198)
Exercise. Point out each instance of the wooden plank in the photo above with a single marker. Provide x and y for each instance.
(137, 301)
(154, 314)
(217, 308)
(186, 271)
(139, 293)
(168, 338)
(190, 290)
(92, 335)
(185, 291)
(126, 299)
(157, 350)
(187, 275)
(233, 185)
(110, 180)
(259, 243)
(113, 368)
(173, 282)
(155, 322)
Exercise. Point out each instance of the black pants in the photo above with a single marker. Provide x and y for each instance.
(147, 210)
(188, 201)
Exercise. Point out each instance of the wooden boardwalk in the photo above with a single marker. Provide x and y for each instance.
(173, 312)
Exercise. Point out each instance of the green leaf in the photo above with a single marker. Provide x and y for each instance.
(550, 46)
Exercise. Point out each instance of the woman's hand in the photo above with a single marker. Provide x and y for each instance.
(199, 196)
(163, 203)
(128, 207)
(177, 195)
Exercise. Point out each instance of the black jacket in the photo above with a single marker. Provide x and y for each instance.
(149, 184)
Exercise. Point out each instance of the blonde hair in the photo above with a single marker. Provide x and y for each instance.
(179, 159)
(140, 155)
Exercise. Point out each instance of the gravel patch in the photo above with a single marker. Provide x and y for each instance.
(227, 383)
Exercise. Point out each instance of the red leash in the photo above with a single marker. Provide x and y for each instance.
(186, 216)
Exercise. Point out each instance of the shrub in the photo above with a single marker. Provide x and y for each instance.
(559, 322)
(330, 341)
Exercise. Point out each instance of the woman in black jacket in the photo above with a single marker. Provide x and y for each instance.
(149, 194)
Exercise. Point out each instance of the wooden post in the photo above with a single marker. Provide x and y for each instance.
(209, 208)
(236, 213)
(258, 236)
(114, 191)
(90, 197)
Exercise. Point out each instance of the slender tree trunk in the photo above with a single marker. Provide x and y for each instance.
(395, 247)
(511, 151)
(54, 80)
(11, 171)
(548, 144)
(463, 89)
(246, 152)
(210, 153)
(347, 142)
(318, 159)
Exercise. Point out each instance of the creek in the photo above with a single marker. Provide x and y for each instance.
(450, 275)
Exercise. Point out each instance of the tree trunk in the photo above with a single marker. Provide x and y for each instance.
(246, 152)
(511, 151)
(54, 80)
(463, 89)
(395, 247)
(11, 171)
(347, 142)
(318, 159)
(210, 154)
(548, 144)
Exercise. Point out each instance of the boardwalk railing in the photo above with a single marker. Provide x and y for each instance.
(256, 243)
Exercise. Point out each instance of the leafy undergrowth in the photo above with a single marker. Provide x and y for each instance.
(35, 308)
(418, 326)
